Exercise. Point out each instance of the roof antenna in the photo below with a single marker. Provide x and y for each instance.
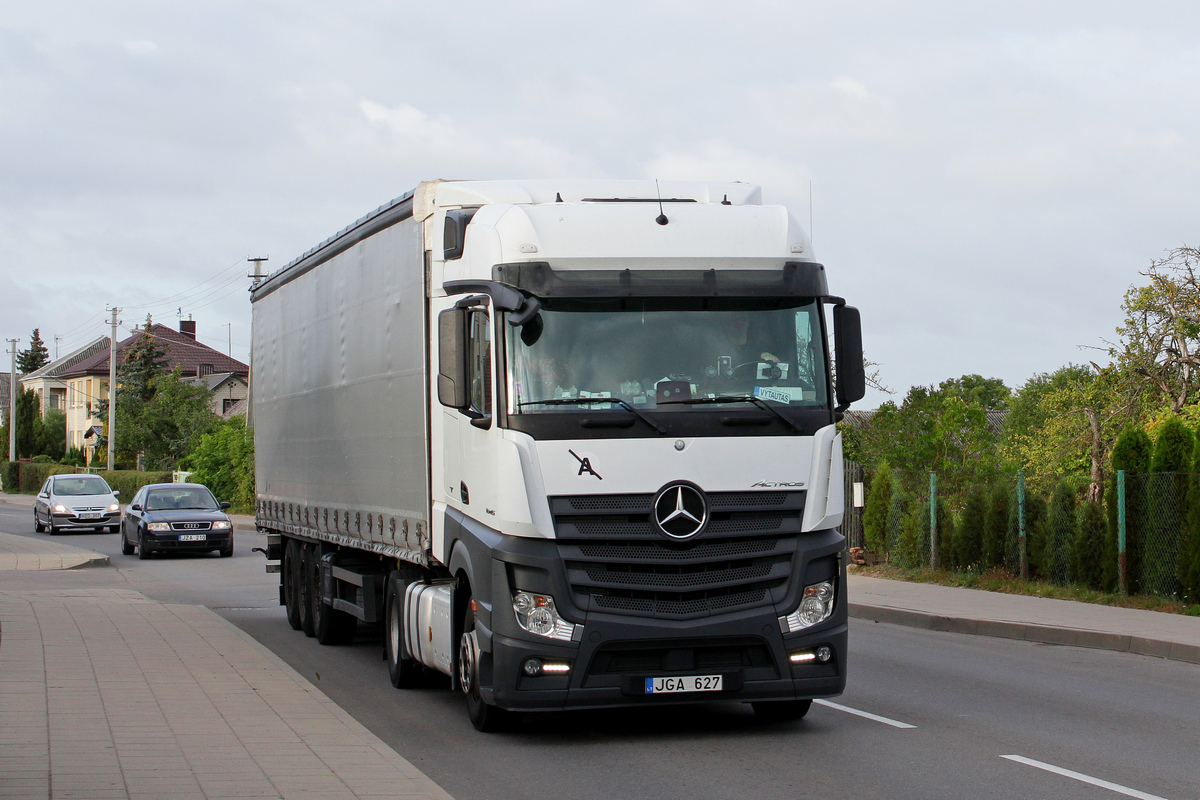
(558, 197)
(661, 219)
(725, 201)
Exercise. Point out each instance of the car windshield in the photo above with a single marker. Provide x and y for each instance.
(81, 486)
(195, 499)
(667, 354)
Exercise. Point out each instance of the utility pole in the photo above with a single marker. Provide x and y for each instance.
(57, 339)
(12, 403)
(112, 391)
(257, 278)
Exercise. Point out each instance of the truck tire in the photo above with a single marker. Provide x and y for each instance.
(781, 710)
(485, 717)
(291, 577)
(403, 670)
(304, 590)
(330, 626)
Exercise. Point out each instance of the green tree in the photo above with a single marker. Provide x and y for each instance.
(33, 357)
(1062, 530)
(29, 425)
(168, 426)
(875, 514)
(224, 462)
(1088, 549)
(968, 544)
(1189, 547)
(54, 433)
(1037, 532)
(1168, 495)
(995, 526)
(1131, 454)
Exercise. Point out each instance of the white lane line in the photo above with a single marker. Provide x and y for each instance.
(864, 714)
(1079, 776)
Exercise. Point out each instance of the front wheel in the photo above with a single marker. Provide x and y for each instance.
(781, 710)
(484, 717)
(403, 670)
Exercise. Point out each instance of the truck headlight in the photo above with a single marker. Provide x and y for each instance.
(159, 526)
(536, 613)
(815, 607)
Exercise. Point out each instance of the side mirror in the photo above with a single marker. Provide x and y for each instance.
(116, 492)
(848, 355)
(224, 504)
(136, 507)
(452, 363)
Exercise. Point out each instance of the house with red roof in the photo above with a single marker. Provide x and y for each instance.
(87, 380)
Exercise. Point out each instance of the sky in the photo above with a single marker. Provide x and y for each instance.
(986, 180)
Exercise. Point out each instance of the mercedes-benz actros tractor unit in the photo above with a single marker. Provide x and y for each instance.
(571, 444)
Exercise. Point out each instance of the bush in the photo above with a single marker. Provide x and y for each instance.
(1037, 531)
(1062, 530)
(1087, 564)
(1189, 545)
(224, 462)
(1131, 453)
(875, 515)
(33, 475)
(912, 551)
(10, 476)
(968, 544)
(995, 526)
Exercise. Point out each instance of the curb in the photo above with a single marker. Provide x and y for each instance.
(1041, 634)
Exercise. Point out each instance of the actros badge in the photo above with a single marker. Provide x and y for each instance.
(680, 510)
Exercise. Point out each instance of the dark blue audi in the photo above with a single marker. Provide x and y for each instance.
(173, 518)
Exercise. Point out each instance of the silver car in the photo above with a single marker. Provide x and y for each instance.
(76, 501)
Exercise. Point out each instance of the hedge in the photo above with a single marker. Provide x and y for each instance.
(30, 477)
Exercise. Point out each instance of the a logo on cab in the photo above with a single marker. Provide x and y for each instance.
(680, 510)
(778, 485)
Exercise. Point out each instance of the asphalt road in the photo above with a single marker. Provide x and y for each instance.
(945, 715)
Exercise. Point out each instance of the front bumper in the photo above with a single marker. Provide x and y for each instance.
(63, 521)
(610, 666)
(169, 541)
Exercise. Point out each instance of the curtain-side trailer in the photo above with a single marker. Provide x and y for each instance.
(572, 444)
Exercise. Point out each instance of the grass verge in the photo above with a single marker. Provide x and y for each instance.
(996, 580)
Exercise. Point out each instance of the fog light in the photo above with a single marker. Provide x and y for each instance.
(533, 667)
(824, 653)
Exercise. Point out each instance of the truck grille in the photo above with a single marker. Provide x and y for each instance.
(618, 563)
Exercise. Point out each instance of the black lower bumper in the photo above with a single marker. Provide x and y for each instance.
(610, 667)
(169, 543)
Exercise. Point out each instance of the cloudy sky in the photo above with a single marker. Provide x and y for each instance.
(987, 179)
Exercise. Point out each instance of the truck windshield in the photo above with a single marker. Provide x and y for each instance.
(668, 354)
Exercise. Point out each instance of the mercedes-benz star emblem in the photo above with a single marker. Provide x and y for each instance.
(680, 510)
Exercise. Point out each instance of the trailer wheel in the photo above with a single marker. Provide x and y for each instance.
(484, 717)
(781, 710)
(304, 590)
(291, 578)
(330, 626)
(403, 670)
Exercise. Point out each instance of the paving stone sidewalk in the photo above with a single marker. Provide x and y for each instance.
(107, 694)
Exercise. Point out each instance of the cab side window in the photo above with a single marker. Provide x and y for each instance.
(479, 362)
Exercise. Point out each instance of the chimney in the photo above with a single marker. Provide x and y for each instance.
(188, 328)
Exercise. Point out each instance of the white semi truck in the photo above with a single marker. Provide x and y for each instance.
(571, 443)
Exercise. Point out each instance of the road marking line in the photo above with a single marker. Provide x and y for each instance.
(864, 714)
(1079, 776)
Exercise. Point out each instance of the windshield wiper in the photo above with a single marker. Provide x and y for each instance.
(738, 398)
(579, 401)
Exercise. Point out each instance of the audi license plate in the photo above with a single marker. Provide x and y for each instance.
(685, 683)
(91, 515)
(192, 537)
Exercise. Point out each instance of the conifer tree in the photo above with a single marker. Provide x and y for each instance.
(33, 357)
(1089, 546)
(879, 502)
(1168, 494)
(1131, 453)
(1062, 531)
(995, 526)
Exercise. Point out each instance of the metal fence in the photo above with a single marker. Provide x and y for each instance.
(1134, 538)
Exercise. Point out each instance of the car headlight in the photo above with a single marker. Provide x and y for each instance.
(221, 525)
(159, 526)
(536, 613)
(60, 509)
(815, 607)
(115, 507)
